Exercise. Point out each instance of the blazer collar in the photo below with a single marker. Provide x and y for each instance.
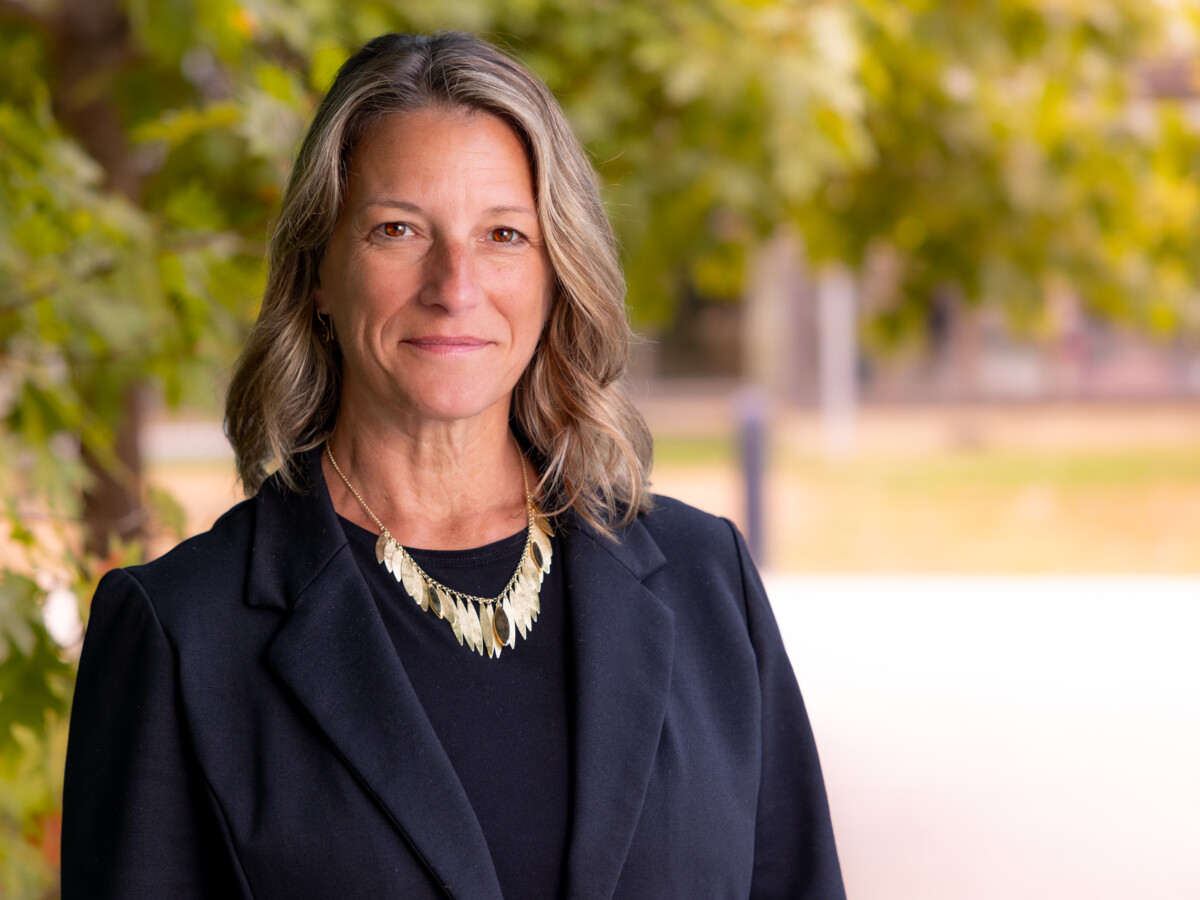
(624, 639)
(334, 654)
(296, 536)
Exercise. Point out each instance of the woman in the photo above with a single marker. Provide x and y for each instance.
(571, 690)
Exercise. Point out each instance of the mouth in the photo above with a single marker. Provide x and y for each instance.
(446, 345)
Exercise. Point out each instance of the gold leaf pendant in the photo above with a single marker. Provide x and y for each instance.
(485, 625)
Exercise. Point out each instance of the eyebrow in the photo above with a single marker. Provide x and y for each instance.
(406, 206)
(391, 204)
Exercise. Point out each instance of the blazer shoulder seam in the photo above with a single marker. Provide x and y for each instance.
(739, 551)
(145, 598)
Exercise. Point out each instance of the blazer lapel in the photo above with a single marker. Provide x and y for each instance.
(334, 654)
(624, 642)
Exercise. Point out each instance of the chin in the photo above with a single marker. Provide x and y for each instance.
(458, 407)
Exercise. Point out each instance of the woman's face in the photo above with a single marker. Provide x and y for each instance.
(436, 276)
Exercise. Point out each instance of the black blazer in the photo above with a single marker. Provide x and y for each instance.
(243, 727)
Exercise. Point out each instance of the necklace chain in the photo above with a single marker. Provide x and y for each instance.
(491, 626)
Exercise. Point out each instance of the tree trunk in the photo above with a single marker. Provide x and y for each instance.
(92, 44)
(113, 507)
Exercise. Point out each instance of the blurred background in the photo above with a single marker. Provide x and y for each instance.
(920, 292)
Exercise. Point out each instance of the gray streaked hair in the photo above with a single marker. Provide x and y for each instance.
(568, 409)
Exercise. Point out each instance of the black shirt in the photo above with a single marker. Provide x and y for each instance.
(504, 723)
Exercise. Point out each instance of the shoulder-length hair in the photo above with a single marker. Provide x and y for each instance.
(591, 444)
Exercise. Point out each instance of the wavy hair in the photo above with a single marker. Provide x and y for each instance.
(568, 409)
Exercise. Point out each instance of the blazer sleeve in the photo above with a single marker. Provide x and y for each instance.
(138, 821)
(794, 851)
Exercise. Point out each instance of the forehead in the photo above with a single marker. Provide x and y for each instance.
(437, 144)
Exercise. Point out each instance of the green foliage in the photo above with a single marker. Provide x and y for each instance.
(1013, 155)
(30, 792)
(34, 681)
(35, 687)
(707, 121)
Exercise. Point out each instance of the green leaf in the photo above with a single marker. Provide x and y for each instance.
(18, 613)
(179, 125)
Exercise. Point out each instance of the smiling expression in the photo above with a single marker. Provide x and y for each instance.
(436, 276)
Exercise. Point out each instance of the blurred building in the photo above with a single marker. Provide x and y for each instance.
(961, 352)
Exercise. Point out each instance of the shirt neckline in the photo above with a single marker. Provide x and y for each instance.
(472, 556)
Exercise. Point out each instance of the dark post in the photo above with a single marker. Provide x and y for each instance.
(752, 443)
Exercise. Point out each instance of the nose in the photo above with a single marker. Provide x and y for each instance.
(452, 280)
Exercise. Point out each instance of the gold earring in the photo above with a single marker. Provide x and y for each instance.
(327, 324)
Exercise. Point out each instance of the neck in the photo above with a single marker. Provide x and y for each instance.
(441, 486)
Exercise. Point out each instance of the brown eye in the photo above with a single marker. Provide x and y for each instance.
(504, 235)
(394, 229)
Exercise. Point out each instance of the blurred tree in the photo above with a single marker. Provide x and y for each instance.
(1013, 152)
(146, 143)
(113, 276)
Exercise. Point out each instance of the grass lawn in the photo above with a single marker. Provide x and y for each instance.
(1042, 491)
(993, 510)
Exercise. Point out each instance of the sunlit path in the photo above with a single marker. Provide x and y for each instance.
(1005, 737)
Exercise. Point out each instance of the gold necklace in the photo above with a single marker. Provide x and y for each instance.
(484, 624)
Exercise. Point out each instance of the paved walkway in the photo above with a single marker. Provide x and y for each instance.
(1005, 737)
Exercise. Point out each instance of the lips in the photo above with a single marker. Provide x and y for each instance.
(447, 344)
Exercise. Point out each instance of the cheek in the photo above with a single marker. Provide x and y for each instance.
(367, 298)
(352, 278)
